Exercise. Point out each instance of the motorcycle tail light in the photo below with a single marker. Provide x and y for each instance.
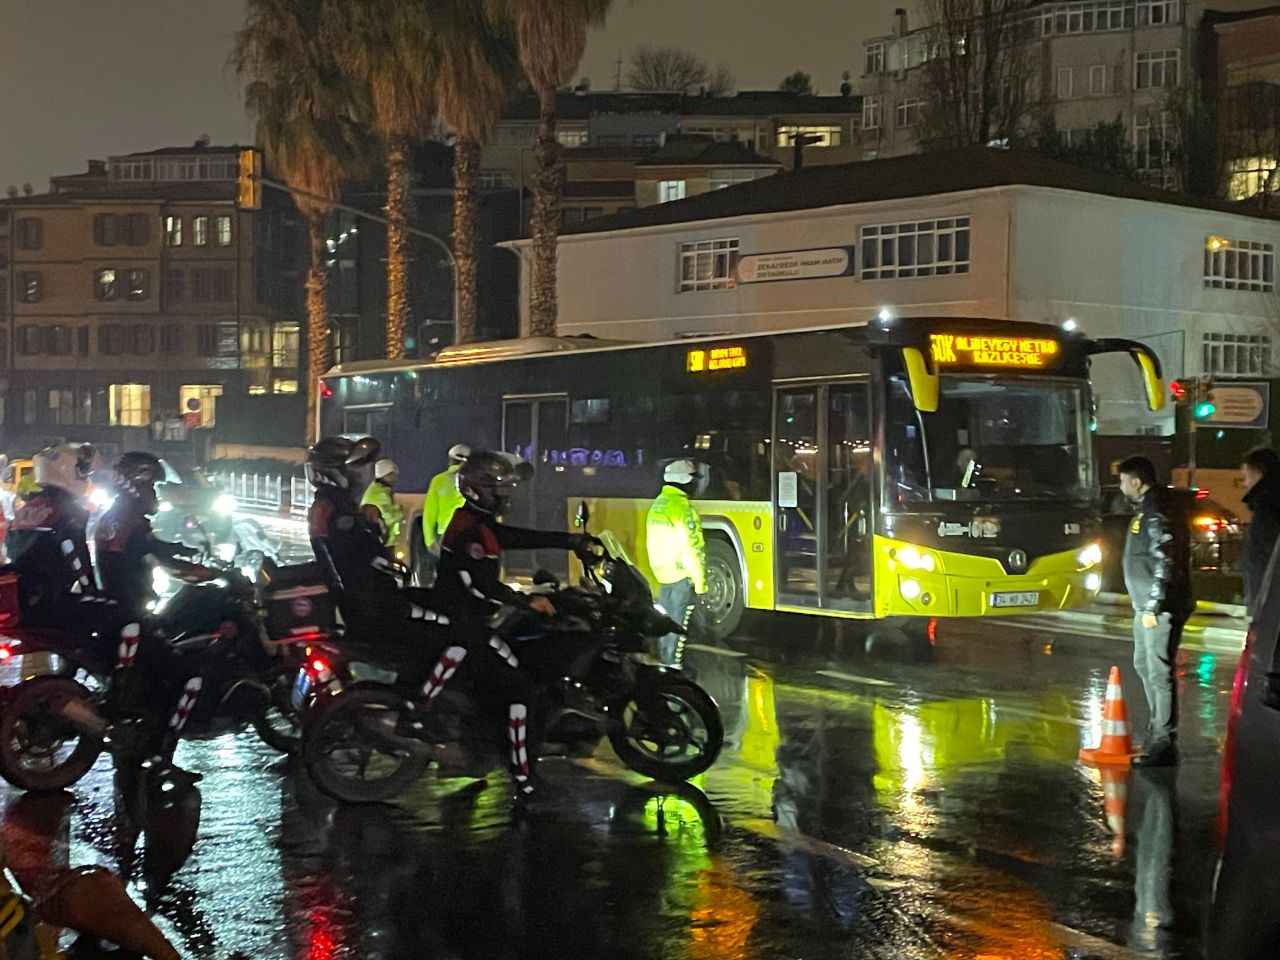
(319, 665)
(5, 652)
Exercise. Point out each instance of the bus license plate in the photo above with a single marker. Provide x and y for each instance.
(1030, 598)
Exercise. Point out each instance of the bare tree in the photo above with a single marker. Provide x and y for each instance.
(975, 80)
(670, 70)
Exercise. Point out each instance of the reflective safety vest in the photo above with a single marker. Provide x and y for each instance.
(442, 501)
(673, 531)
(379, 495)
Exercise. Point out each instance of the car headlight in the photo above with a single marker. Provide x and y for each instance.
(913, 558)
(1090, 556)
(225, 504)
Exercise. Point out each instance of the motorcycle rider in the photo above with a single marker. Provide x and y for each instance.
(470, 590)
(380, 495)
(46, 540)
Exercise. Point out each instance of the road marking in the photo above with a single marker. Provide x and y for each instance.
(851, 678)
(718, 651)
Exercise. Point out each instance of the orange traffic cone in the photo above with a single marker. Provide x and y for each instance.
(1115, 794)
(1117, 745)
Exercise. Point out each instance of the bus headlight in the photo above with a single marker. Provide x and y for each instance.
(913, 558)
(1093, 582)
(1090, 556)
(910, 589)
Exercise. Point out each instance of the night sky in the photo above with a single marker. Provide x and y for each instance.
(89, 78)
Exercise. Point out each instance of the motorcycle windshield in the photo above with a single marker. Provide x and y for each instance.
(615, 547)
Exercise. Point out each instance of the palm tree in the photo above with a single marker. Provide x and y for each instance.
(303, 118)
(551, 36)
(385, 48)
(475, 76)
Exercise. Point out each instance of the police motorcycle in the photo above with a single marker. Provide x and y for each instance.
(366, 741)
(247, 637)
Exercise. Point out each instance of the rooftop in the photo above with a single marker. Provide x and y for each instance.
(916, 175)
(572, 105)
(703, 151)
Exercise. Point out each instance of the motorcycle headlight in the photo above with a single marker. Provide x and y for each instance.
(225, 504)
(226, 552)
(101, 497)
(165, 506)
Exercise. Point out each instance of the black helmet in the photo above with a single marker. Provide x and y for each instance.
(136, 474)
(335, 461)
(486, 479)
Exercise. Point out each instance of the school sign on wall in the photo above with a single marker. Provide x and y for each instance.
(796, 265)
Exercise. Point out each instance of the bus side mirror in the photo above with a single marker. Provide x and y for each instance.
(582, 515)
(924, 383)
(1151, 380)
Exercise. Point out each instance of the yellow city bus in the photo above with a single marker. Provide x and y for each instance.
(915, 468)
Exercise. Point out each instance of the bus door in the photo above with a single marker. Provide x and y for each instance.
(536, 428)
(822, 471)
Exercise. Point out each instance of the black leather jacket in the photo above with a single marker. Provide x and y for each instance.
(1260, 536)
(1157, 557)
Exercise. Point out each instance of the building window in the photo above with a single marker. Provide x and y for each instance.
(284, 385)
(1250, 176)
(171, 338)
(875, 58)
(59, 341)
(142, 340)
(82, 341)
(1152, 147)
(872, 112)
(211, 286)
(30, 340)
(199, 231)
(139, 284)
(924, 248)
(113, 339)
(130, 405)
(493, 179)
(1097, 80)
(106, 286)
(206, 395)
(174, 288)
(105, 227)
(222, 231)
(908, 112)
(571, 138)
(1233, 354)
(138, 231)
(131, 170)
(669, 190)
(218, 340)
(62, 406)
(30, 286)
(1159, 68)
(30, 233)
(173, 231)
(708, 265)
(822, 135)
(1158, 13)
(28, 407)
(286, 339)
(1239, 264)
(1065, 77)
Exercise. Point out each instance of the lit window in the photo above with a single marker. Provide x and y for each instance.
(1250, 176)
(106, 286)
(222, 231)
(1239, 264)
(1158, 68)
(1153, 146)
(708, 265)
(566, 138)
(139, 284)
(285, 343)
(199, 231)
(206, 395)
(129, 404)
(908, 112)
(173, 231)
(62, 406)
(31, 286)
(670, 190)
(823, 135)
(924, 248)
(283, 385)
(1234, 354)
(493, 179)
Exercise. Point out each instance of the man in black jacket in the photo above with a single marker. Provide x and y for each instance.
(1157, 576)
(1261, 474)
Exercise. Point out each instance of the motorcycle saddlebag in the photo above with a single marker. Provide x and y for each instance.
(297, 601)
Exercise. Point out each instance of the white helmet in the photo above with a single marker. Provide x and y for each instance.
(68, 466)
(680, 471)
(459, 452)
(384, 468)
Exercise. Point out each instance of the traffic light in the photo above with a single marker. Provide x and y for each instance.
(249, 193)
(1179, 392)
(1204, 408)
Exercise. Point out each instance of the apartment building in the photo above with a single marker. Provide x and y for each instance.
(1086, 62)
(136, 291)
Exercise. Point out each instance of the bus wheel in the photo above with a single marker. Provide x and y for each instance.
(726, 599)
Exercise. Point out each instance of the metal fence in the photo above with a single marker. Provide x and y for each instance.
(283, 496)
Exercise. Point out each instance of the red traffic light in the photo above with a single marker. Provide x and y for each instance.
(1178, 390)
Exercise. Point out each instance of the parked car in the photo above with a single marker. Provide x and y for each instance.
(1217, 536)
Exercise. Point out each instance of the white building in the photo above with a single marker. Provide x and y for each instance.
(980, 233)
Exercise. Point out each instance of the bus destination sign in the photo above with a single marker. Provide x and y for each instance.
(980, 351)
(717, 358)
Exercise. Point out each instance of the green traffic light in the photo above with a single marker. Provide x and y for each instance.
(1204, 409)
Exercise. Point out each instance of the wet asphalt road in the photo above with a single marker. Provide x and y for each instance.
(865, 806)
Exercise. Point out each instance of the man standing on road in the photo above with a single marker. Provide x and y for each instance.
(1157, 576)
(677, 553)
(1261, 474)
(381, 495)
(438, 508)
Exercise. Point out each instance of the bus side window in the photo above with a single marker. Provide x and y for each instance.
(725, 430)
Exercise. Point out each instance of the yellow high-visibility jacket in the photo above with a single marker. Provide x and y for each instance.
(379, 495)
(442, 500)
(673, 531)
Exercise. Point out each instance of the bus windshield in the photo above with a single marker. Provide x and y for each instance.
(992, 438)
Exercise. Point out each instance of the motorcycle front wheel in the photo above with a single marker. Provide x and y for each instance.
(352, 753)
(668, 729)
(279, 726)
(40, 749)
